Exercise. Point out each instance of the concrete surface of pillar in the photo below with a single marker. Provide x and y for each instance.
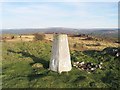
(60, 59)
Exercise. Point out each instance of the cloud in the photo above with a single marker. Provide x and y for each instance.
(64, 14)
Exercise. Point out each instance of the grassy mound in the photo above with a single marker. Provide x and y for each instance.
(20, 57)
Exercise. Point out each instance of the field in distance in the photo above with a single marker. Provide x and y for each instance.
(77, 42)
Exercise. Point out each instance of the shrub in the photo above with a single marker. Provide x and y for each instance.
(98, 44)
(12, 37)
(75, 45)
(89, 38)
(39, 37)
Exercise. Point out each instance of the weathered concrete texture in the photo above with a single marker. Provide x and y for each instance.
(60, 59)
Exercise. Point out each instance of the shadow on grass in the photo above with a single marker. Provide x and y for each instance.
(106, 51)
(34, 58)
(37, 76)
(80, 78)
(111, 79)
(34, 76)
(91, 52)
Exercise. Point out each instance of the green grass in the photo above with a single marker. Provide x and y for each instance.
(17, 70)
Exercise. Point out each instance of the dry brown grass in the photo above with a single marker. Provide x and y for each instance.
(83, 44)
(75, 43)
(90, 44)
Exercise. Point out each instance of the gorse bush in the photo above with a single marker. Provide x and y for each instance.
(39, 36)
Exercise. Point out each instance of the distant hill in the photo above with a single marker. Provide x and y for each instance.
(41, 30)
(106, 33)
(97, 32)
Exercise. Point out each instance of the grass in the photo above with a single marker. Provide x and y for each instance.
(19, 57)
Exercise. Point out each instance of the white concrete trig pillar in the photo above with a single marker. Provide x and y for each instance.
(60, 59)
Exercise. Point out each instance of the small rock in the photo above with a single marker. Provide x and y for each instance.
(100, 66)
(77, 62)
(92, 64)
(101, 63)
(117, 54)
(37, 65)
(82, 63)
(96, 66)
(92, 69)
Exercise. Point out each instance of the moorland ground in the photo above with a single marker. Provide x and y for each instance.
(25, 64)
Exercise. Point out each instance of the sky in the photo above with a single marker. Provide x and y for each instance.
(59, 14)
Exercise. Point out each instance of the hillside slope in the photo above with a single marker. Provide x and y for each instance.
(25, 65)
